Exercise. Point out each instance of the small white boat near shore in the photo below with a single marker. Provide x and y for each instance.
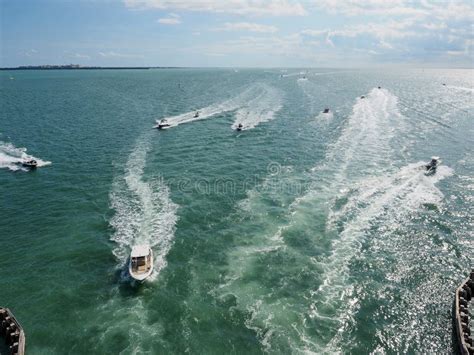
(140, 264)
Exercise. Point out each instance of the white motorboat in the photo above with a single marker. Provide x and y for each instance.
(30, 163)
(430, 168)
(163, 124)
(141, 262)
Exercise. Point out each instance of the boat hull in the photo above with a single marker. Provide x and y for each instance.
(141, 276)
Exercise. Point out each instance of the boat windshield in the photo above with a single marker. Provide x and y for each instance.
(139, 264)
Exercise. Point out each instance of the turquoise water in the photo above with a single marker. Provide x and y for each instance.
(304, 233)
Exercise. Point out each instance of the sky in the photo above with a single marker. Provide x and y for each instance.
(238, 33)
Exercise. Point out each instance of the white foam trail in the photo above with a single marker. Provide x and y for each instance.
(11, 157)
(261, 108)
(462, 88)
(325, 116)
(386, 200)
(367, 139)
(365, 148)
(212, 110)
(293, 74)
(331, 72)
(144, 212)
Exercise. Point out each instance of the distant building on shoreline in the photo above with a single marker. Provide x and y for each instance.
(48, 66)
(76, 66)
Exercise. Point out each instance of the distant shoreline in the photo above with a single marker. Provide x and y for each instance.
(83, 68)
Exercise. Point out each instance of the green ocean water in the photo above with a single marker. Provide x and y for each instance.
(304, 233)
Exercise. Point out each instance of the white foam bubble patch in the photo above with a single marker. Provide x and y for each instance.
(12, 157)
(144, 212)
(260, 108)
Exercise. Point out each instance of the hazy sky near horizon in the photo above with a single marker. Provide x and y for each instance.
(246, 33)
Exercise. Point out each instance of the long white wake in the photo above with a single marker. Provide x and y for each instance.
(260, 108)
(383, 203)
(11, 157)
(368, 192)
(357, 188)
(144, 212)
(255, 105)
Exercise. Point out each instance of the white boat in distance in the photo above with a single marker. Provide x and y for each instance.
(141, 262)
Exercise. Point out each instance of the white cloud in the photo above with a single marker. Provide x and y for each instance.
(246, 26)
(455, 53)
(172, 19)
(80, 56)
(239, 7)
(447, 9)
(31, 52)
(112, 54)
(369, 7)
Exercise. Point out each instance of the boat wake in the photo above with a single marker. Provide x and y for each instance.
(362, 208)
(368, 142)
(263, 105)
(372, 208)
(12, 157)
(462, 88)
(358, 194)
(325, 116)
(256, 104)
(144, 212)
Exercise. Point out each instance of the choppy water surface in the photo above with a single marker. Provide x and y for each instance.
(303, 233)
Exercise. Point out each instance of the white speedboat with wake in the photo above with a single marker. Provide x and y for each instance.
(430, 168)
(140, 264)
(30, 163)
(162, 124)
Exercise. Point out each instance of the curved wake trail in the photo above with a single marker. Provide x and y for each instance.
(11, 157)
(357, 195)
(371, 201)
(376, 208)
(144, 212)
(256, 104)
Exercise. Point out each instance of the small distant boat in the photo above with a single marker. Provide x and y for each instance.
(239, 127)
(141, 262)
(379, 87)
(163, 124)
(432, 166)
(196, 115)
(326, 110)
(362, 97)
(444, 84)
(30, 163)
